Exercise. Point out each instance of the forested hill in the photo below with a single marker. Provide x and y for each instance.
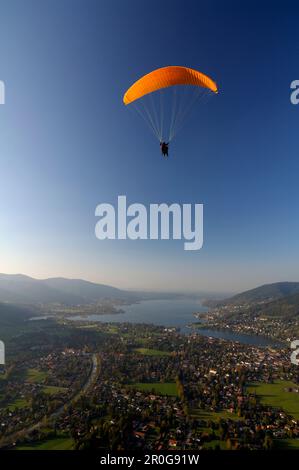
(21, 289)
(265, 293)
(284, 307)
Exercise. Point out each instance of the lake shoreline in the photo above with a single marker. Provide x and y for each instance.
(177, 314)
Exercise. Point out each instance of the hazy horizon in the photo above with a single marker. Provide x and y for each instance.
(199, 292)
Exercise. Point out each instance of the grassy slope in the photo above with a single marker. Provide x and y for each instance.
(36, 376)
(59, 443)
(274, 395)
(214, 415)
(291, 444)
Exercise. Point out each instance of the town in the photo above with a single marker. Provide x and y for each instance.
(122, 387)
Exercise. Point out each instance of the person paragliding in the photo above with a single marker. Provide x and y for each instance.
(164, 148)
(165, 110)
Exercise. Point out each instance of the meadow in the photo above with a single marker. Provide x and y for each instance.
(58, 443)
(276, 395)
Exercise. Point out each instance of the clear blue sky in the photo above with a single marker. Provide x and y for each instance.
(67, 142)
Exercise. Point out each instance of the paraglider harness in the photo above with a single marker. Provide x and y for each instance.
(164, 148)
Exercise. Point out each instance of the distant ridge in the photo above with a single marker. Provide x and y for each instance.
(266, 293)
(21, 289)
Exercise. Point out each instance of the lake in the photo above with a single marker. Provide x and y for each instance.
(174, 313)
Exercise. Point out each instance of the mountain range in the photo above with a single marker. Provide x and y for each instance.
(21, 289)
(277, 298)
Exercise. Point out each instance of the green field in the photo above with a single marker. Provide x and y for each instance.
(36, 376)
(152, 352)
(275, 395)
(59, 443)
(214, 415)
(212, 445)
(52, 390)
(167, 388)
(18, 403)
(291, 444)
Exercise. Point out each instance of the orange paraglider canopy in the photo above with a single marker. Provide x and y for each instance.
(166, 77)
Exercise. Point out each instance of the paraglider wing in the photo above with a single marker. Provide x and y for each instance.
(165, 96)
(166, 77)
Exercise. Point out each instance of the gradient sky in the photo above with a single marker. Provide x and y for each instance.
(67, 143)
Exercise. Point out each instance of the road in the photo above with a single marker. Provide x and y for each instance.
(94, 373)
